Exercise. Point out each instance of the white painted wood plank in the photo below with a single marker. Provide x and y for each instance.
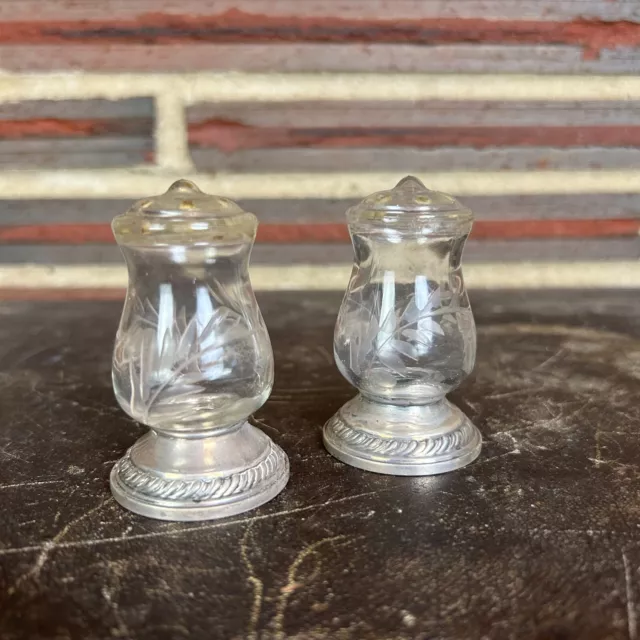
(340, 87)
(117, 183)
(335, 277)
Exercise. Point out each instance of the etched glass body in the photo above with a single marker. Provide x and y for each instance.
(192, 361)
(405, 334)
(192, 352)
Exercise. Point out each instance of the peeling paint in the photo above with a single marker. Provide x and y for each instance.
(237, 26)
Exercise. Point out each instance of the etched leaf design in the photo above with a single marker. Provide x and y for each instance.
(392, 361)
(398, 340)
(362, 329)
(405, 349)
(167, 356)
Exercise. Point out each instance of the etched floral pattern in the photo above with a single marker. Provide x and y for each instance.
(405, 341)
(390, 336)
(167, 359)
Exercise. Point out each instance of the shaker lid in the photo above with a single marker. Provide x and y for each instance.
(184, 214)
(410, 204)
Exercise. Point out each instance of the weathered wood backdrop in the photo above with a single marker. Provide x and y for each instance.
(528, 110)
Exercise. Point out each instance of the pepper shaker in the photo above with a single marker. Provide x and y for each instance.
(192, 361)
(405, 336)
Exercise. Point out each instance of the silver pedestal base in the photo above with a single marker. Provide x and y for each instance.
(200, 478)
(402, 441)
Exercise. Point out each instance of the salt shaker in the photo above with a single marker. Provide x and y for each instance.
(405, 336)
(192, 361)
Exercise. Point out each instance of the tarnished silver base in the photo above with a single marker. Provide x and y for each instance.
(402, 441)
(200, 478)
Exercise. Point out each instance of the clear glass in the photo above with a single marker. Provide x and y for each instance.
(192, 351)
(192, 361)
(405, 336)
(405, 332)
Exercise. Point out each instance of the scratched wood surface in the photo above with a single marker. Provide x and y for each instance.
(538, 539)
(498, 37)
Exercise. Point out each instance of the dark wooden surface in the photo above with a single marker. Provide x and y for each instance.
(540, 538)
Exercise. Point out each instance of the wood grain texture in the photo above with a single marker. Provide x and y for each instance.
(329, 210)
(357, 35)
(545, 10)
(528, 537)
(240, 26)
(408, 9)
(421, 113)
(76, 128)
(81, 152)
(295, 256)
(226, 146)
(71, 234)
(76, 133)
(534, 145)
(234, 135)
(134, 108)
(410, 160)
(295, 57)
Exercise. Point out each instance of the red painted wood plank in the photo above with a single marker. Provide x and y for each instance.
(238, 26)
(76, 128)
(391, 9)
(231, 135)
(78, 234)
(548, 229)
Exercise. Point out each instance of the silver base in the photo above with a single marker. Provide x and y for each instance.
(402, 441)
(200, 478)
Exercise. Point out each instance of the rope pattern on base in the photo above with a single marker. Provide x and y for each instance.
(401, 447)
(200, 489)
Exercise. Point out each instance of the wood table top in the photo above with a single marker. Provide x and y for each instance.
(539, 538)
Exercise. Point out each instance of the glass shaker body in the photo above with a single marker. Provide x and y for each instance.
(405, 335)
(192, 352)
(192, 360)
